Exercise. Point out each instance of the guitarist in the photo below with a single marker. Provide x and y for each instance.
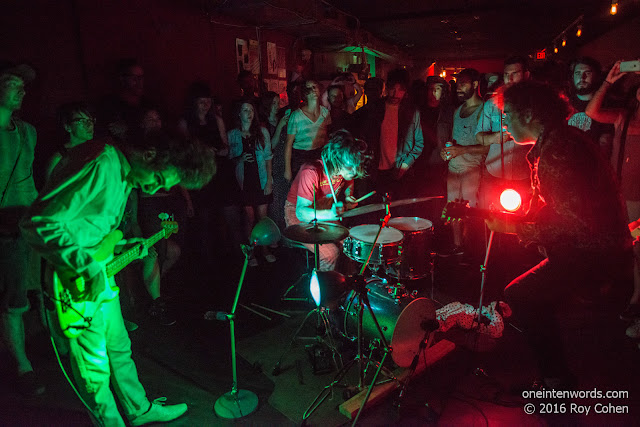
(576, 217)
(81, 204)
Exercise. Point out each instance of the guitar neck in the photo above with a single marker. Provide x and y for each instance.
(121, 261)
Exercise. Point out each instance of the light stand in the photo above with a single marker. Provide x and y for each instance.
(240, 403)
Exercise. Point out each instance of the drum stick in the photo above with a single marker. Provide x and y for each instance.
(333, 192)
(366, 196)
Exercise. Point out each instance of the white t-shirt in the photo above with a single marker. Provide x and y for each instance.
(309, 135)
(464, 133)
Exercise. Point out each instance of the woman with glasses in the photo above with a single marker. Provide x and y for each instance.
(78, 123)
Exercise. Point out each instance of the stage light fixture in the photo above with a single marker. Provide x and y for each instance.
(326, 288)
(564, 42)
(614, 7)
(555, 49)
(510, 200)
(579, 32)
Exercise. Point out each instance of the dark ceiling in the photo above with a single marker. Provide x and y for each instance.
(465, 29)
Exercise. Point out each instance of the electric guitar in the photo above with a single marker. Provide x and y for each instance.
(458, 209)
(75, 316)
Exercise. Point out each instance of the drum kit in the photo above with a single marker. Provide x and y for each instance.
(378, 309)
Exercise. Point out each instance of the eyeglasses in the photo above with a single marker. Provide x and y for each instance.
(85, 121)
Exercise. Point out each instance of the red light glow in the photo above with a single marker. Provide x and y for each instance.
(510, 200)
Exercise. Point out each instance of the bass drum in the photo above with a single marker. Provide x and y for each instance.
(401, 317)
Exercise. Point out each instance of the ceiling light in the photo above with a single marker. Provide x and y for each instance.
(564, 42)
(614, 7)
(579, 32)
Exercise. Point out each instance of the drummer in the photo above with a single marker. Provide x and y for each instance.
(343, 157)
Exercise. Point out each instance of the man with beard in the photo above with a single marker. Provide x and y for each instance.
(586, 76)
(465, 155)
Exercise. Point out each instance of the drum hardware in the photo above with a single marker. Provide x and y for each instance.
(322, 319)
(359, 286)
(375, 207)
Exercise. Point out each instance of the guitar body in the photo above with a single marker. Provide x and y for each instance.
(74, 315)
(71, 313)
(67, 285)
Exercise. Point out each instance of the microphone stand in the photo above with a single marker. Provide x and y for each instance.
(237, 403)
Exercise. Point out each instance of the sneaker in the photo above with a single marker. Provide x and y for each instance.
(130, 326)
(160, 314)
(253, 262)
(270, 258)
(633, 331)
(158, 413)
(631, 313)
(29, 385)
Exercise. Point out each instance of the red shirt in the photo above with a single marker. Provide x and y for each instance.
(311, 178)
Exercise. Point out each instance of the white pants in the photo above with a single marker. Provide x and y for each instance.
(464, 186)
(328, 253)
(102, 355)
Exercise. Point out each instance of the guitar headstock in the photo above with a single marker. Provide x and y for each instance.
(455, 210)
(168, 224)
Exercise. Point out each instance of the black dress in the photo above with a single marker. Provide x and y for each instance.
(252, 193)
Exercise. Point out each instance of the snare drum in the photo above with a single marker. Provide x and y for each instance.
(401, 317)
(387, 250)
(415, 262)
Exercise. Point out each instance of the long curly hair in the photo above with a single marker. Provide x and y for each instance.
(343, 150)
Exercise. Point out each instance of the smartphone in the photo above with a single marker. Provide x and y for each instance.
(630, 66)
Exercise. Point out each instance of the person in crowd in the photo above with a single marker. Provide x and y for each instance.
(465, 155)
(344, 159)
(436, 116)
(82, 203)
(78, 123)
(576, 218)
(625, 160)
(141, 219)
(306, 131)
(585, 75)
(216, 209)
(351, 90)
(120, 112)
(373, 89)
(506, 161)
(276, 124)
(248, 83)
(340, 117)
(18, 265)
(393, 133)
(250, 150)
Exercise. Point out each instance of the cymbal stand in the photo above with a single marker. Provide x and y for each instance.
(321, 312)
(360, 288)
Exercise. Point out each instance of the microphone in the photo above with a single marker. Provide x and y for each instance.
(216, 315)
(429, 325)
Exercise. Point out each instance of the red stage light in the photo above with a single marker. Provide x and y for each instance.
(510, 200)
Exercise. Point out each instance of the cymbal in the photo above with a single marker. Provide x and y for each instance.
(374, 207)
(324, 232)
